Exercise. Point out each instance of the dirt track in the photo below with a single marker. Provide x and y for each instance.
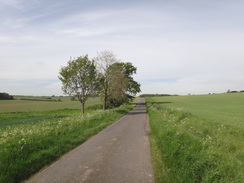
(118, 154)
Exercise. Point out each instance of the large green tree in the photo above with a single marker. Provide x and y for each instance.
(117, 85)
(122, 86)
(116, 82)
(79, 78)
(133, 87)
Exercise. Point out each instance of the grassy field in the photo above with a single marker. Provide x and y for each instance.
(197, 138)
(23, 104)
(225, 108)
(26, 110)
(34, 133)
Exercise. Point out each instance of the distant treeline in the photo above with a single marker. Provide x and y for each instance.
(42, 99)
(5, 96)
(229, 91)
(156, 95)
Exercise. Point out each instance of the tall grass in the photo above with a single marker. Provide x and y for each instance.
(25, 149)
(187, 148)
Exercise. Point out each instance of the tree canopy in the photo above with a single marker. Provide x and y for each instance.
(116, 81)
(122, 87)
(104, 76)
(79, 78)
(104, 60)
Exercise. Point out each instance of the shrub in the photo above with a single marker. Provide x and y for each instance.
(5, 96)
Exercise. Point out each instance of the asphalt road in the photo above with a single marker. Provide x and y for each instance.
(118, 154)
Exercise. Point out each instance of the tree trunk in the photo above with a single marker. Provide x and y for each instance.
(105, 96)
(83, 108)
(104, 102)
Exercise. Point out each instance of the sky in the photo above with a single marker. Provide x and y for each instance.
(178, 46)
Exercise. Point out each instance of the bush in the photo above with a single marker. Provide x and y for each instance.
(5, 96)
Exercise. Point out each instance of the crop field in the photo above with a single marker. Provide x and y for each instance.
(35, 132)
(197, 138)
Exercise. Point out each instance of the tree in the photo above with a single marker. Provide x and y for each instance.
(117, 84)
(133, 86)
(115, 78)
(79, 78)
(122, 87)
(103, 61)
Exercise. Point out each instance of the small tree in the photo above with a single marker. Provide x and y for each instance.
(79, 79)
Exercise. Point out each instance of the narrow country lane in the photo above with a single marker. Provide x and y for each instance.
(118, 154)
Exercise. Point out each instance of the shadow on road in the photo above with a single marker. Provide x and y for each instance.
(159, 102)
(141, 103)
(139, 109)
(136, 112)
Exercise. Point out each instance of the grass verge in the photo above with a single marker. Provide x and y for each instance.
(186, 148)
(25, 149)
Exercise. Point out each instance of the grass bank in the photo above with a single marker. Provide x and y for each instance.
(26, 148)
(190, 147)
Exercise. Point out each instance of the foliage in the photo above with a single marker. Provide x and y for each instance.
(123, 87)
(188, 147)
(103, 61)
(117, 85)
(109, 78)
(79, 78)
(133, 87)
(5, 96)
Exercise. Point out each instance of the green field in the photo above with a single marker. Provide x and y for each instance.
(36, 131)
(23, 104)
(225, 108)
(26, 110)
(197, 138)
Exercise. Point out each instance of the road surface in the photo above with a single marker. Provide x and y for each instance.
(118, 154)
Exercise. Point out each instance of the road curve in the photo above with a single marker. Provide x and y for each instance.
(118, 154)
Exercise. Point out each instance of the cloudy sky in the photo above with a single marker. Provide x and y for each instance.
(178, 46)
